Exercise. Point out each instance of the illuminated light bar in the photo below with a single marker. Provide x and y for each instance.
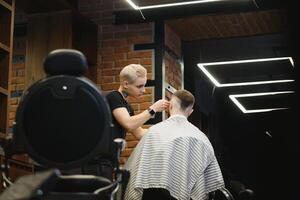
(244, 110)
(203, 68)
(168, 4)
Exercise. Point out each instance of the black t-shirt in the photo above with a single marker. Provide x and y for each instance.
(116, 100)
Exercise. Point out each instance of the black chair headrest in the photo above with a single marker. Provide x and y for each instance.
(63, 121)
(65, 61)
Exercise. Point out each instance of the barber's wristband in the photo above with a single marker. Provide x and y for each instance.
(151, 112)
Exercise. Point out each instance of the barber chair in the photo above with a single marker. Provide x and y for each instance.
(221, 194)
(62, 122)
(240, 192)
(163, 194)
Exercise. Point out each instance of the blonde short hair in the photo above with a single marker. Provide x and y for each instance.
(132, 72)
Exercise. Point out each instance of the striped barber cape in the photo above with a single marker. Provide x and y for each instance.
(177, 156)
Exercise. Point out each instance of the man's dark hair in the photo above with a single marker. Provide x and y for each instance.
(186, 98)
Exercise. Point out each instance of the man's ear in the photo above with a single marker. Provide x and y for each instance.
(191, 111)
(170, 106)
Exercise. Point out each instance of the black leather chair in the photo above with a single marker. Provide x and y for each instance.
(62, 122)
(240, 192)
(163, 194)
(221, 194)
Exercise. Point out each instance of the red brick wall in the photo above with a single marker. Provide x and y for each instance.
(115, 50)
(18, 68)
(17, 76)
(172, 59)
(172, 41)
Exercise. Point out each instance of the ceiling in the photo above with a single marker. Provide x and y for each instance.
(155, 2)
(212, 19)
(38, 6)
(219, 25)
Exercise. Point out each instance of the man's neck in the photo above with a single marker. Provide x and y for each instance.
(177, 113)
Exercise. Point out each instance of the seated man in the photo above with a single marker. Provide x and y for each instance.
(176, 156)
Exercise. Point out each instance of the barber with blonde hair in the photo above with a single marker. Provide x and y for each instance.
(133, 79)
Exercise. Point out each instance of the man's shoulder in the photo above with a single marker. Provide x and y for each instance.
(189, 130)
(156, 126)
(169, 125)
(170, 122)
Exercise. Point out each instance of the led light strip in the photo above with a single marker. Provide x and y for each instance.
(234, 97)
(217, 84)
(168, 4)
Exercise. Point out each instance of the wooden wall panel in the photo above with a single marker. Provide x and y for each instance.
(45, 33)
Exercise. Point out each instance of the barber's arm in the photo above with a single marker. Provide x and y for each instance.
(133, 123)
(139, 132)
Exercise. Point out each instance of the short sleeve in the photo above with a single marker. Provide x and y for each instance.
(115, 100)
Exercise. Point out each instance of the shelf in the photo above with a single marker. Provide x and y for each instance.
(4, 47)
(17, 168)
(2, 135)
(5, 23)
(3, 91)
(6, 27)
(6, 136)
(21, 162)
(6, 5)
(4, 70)
(3, 115)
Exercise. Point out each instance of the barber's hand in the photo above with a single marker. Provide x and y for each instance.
(160, 105)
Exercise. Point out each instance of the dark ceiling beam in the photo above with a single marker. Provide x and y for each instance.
(41, 6)
(134, 16)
